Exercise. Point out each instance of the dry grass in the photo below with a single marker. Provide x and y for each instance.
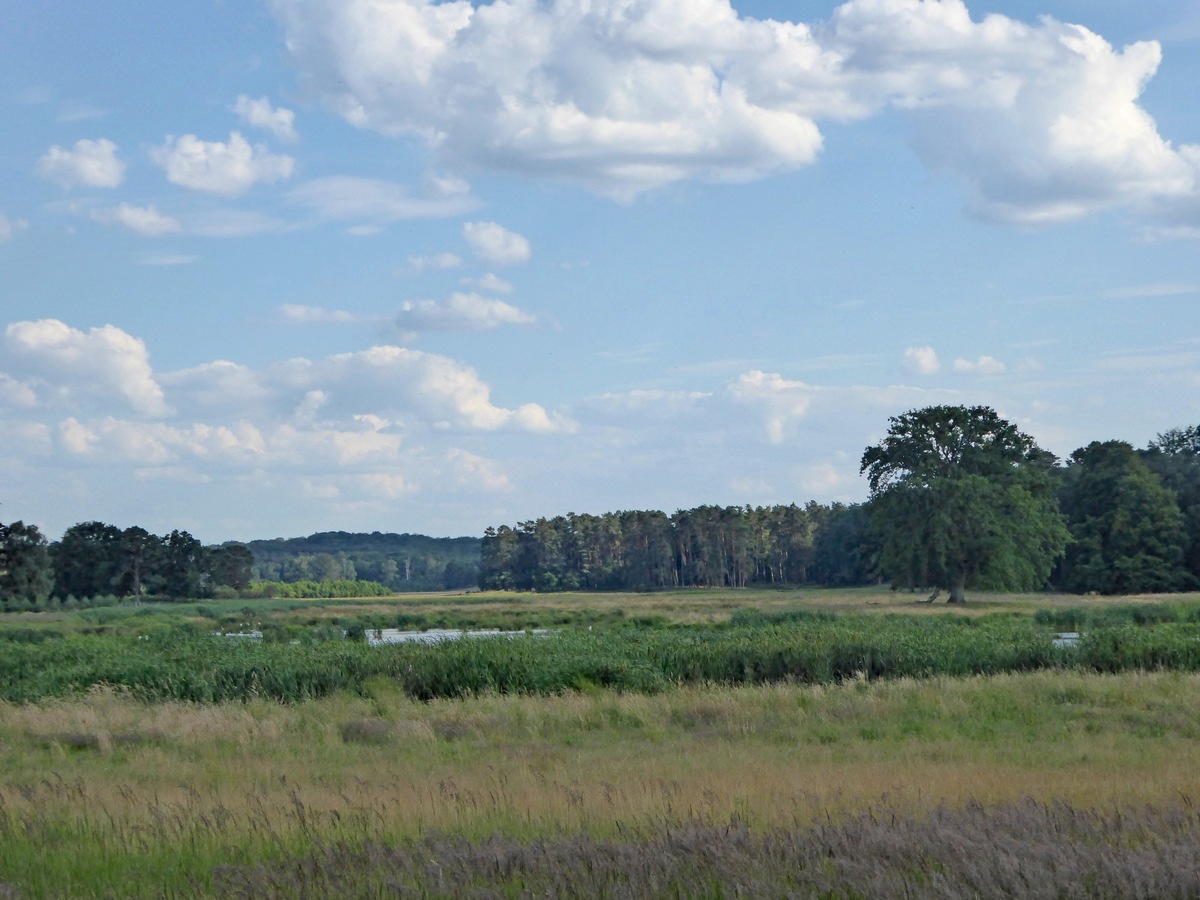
(709, 605)
(765, 754)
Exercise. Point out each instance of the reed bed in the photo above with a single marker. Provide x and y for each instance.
(183, 665)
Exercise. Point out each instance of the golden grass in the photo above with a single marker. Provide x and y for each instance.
(707, 605)
(770, 755)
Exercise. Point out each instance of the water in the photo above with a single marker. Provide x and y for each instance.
(377, 636)
(1067, 639)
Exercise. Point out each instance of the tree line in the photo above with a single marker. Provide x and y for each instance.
(959, 498)
(94, 560)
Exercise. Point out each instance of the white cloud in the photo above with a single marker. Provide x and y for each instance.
(88, 164)
(409, 388)
(474, 472)
(350, 198)
(9, 227)
(921, 361)
(63, 365)
(260, 114)
(1040, 122)
(436, 261)
(984, 365)
(228, 169)
(782, 402)
(143, 220)
(488, 282)
(496, 244)
(297, 314)
(460, 312)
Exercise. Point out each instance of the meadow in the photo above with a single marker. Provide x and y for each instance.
(807, 743)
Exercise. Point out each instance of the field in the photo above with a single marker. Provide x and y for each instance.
(1022, 769)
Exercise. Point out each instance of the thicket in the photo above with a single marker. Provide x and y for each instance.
(331, 589)
(179, 665)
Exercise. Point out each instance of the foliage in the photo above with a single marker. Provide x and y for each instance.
(191, 666)
(1129, 534)
(961, 498)
(709, 546)
(403, 562)
(25, 573)
(327, 589)
(1174, 456)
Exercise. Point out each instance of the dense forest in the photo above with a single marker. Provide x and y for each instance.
(95, 562)
(403, 562)
(1129, 519)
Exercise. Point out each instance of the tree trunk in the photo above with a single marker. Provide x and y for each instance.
(958, 591)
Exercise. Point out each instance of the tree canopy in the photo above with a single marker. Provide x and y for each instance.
(961, 498)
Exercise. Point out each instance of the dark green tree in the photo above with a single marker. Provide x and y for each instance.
(1174, 456)
(138, 563)
(961, 498)
(25, 570)
(231, 565)
(87, 561)
(1128, 530)
(184, 572)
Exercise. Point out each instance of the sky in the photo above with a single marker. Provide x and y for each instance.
(272, 267)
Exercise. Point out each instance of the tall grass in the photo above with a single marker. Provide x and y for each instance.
(108, 796)
(182, 665)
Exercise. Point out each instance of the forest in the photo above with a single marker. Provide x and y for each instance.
(1115, 519)
(97, 564)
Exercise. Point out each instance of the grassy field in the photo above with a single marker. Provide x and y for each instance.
(102, 794)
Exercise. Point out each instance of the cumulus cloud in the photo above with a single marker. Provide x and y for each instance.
(1039, 122)
(350, 198)
(88, 164)
(9, 227)
(436, 261)
(261, 114)
(460, 312)
(474, 472)
(143, 220)
(921, 361)
(984, 365)
(228, 169)
(781, 402)
(408, 388)
(63, 365)
(496, 244)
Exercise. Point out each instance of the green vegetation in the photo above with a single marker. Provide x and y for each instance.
(959, 498)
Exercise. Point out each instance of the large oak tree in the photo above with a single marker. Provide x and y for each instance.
(961, 498)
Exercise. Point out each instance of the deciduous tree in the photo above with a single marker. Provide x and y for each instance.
(961, 498)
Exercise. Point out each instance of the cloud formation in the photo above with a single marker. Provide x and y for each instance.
(984, 365)
(88, 164)
(143, 220)
(496, 244)
(1040, 123)
(261, 114)
(347, 198)
(216, 167)
(9, 227)
(921, 361)
(64, 366)
(460, 312)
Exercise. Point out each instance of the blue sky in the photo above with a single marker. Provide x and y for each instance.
(269, 268)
